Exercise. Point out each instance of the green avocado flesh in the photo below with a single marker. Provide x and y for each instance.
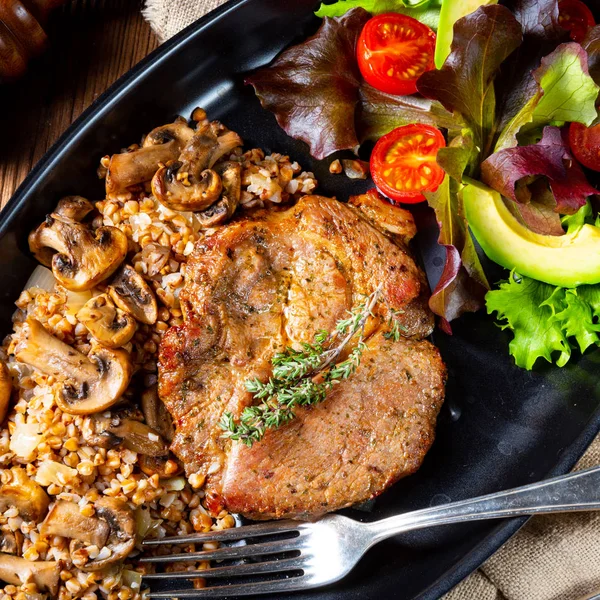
(565, 260)
(452, 11)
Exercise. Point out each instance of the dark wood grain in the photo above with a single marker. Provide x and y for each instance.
(92, 43)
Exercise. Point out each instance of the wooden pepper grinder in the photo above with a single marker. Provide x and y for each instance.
(22, 36)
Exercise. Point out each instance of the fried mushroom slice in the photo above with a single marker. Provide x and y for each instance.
(65, 519)
(83, 257)
(140, 438)
(121, 538)
(91, 383)
(11, 542)
(160, 146)
(75, 208)
(156, 413)
(223, 209)
(5, 390)
(132, 294)
(109, 325)
(111, 530)
(26, 495)
(190, 183)
(17, 571)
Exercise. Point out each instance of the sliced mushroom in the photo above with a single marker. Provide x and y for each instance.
(156, 414)
(109, 325)
(138, 437)
(131, 293)
(121, 540)
(65, 519)
(5, 391)
(11, 542)
(75, 208)
(160, 146)
(17, 571)
(92, 383)
(190, 184)
(83, 257)
(26, 495)
(223, 209)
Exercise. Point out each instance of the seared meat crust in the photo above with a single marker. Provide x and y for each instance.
(273, 279)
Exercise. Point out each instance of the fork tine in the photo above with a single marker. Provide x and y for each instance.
(235, 533)
(271, 566)
(240, 589)
(250, 550)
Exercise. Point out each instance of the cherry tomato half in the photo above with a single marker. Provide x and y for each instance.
(576, 18)
(403, 163)
(393, 50)
(585, 144)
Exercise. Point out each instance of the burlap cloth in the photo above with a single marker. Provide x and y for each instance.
(551, 558)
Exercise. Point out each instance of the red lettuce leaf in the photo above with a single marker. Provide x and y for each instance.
(379, 113)
(463, 285)
(539, 214)
(313, 88)
(465, 84)
(508, 171)
(591, 45)
(541, 35)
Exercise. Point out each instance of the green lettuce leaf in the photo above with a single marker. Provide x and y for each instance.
(426, 11)
(546, 321)
(576, 221)
(523, 305)
(566, 92)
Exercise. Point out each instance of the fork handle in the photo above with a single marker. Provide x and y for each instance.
(578, 491)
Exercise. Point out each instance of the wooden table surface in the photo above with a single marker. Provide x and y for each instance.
(92, 43)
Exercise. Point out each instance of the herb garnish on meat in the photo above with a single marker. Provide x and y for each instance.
(303, 377)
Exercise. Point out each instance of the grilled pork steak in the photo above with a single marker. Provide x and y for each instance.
(273, 279)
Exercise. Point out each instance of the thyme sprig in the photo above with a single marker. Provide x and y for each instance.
(301, 377)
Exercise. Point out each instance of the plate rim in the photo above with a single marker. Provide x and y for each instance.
(506, 528)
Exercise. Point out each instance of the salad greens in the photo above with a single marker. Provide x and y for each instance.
(426, 11)
(545, 319)
(509, 171)
(317, 95)
(511, 79)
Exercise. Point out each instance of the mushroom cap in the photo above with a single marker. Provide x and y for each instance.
(121, 539)
(177, 193)
(83, 257)
(132, 294)
(92, 383)
(17, 571)
(5, 390)
(190, 184)
(26, 495)
(75, 208)
(114, 370)
(65, 519)
(133, 168)
(109, 325)
(223, 209)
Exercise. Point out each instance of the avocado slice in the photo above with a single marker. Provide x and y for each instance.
(452, 11)
(566, 260)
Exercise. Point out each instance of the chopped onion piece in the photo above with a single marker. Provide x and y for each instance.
(131, 579)
(51, 471)
(41, 278)
(25, 439)
(175, 484)
(76, 300)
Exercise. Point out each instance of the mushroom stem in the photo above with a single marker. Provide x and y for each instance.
(17, 571)
(92, 383)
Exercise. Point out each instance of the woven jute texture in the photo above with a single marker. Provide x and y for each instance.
(551, 558)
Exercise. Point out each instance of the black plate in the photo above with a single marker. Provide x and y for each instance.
(500, 426)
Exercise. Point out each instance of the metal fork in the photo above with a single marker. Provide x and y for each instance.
(287, 556)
